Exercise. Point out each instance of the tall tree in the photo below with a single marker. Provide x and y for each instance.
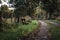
(50, 6)
(3, 10)
(25, 7)
(1, 21)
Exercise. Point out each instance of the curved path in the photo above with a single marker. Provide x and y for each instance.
(42, 35)
(39, 34)
(53, 23)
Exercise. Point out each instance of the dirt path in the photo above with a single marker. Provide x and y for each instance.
(42, 35)
(53, 23)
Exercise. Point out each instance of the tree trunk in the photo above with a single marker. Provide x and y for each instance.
(49, 15)
(17, 20)
(11, 17)
(1, 25)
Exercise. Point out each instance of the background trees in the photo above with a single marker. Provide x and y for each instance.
(51, 6)
(25, 7)
(3, 11)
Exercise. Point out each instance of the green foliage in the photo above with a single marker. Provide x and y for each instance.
(4, 8)
(57, 21)
(25, 7)
(55, 32)
(51, 6)
(5, 13)
(15, 32)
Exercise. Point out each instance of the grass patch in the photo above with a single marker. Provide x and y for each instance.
(15, 31)
(56, 21)
(55, 32)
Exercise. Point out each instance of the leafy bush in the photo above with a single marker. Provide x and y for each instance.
(15, 32)
(58, 18)
(55, 32)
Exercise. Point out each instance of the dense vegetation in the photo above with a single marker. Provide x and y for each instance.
(14, 32)
(54, 32)
(23, 19)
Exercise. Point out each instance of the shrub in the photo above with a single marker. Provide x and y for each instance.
(58, 18)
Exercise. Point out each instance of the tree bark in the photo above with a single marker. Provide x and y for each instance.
(1, 25)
